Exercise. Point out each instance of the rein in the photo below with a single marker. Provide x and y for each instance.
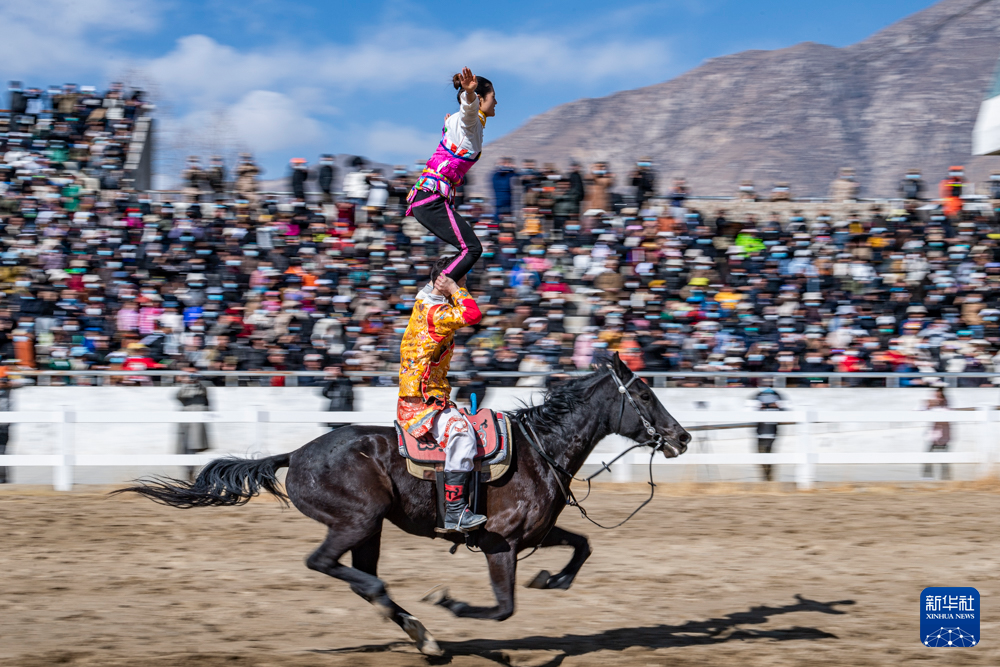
(656, 442)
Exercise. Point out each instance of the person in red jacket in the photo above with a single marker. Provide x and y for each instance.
(951, 191)
(138, 359)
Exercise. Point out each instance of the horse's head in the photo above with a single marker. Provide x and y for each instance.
(628, 416)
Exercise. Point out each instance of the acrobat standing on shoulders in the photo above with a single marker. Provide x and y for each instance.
(431, 199)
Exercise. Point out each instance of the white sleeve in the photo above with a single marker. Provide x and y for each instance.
(469, 111)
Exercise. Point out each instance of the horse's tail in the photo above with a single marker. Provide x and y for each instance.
(223, 482)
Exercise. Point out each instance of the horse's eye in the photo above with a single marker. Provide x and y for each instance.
(645, 396)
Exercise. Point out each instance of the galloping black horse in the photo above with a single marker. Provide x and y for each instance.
(352, 479)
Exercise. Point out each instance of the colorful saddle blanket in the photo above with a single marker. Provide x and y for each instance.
(492, 436)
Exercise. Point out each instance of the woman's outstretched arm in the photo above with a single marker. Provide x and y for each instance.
(470, 101)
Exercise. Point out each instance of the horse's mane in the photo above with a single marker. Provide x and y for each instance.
(561, 400)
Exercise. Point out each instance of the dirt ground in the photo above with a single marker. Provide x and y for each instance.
(703, 578)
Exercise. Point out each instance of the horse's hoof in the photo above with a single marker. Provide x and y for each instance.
(418, 633)
(431, 648)
(541, 580)
(439, 590)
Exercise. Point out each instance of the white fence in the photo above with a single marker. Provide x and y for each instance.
(804, 457)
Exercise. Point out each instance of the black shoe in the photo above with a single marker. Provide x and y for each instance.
(458, 517)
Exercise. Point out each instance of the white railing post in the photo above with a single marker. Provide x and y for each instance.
(260, 427)
(803, 456)
(62, 474)
(987, 442)
(992, 417)
(622, 470)
(805, 471)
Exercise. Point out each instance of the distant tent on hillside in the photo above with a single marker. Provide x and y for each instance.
(986, 133)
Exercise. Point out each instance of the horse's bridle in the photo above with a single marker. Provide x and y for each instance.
(656, 441)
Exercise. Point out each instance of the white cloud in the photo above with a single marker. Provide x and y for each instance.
(400, 56)
(260, 121)
(201, 67)
(397, 143)
(51, 36)
(266, 120)
(272, 97)
(403, 55)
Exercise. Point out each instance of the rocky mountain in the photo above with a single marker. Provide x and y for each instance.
(905, 97)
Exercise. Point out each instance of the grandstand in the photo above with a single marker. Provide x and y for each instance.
(81, 134)
(107, 285)
(102, 274)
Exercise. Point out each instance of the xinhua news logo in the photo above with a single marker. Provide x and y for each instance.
(949, 617)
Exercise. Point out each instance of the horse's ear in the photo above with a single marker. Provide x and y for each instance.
(618, 363)
(621, 368)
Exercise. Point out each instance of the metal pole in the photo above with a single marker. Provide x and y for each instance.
(62, 475)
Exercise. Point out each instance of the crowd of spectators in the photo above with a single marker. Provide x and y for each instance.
(904, 286)
(94, 276)
(72, 136)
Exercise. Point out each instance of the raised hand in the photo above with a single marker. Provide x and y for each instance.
(468, 80)
(445, 285)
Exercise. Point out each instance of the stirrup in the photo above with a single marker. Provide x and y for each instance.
(467, 522)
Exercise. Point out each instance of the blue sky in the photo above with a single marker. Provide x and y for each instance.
(290, 79)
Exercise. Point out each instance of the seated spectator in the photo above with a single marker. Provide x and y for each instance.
(94, 276)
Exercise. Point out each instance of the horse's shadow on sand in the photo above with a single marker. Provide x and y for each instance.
(692, 633)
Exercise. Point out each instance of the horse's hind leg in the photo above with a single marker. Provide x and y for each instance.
(558, 537)
(503, 568)
(362, 579)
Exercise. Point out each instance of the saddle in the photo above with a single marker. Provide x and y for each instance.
(424, 457)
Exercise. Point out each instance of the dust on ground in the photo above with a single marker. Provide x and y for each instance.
(701, 578)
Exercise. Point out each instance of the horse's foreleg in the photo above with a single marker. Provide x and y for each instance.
(364, 557)
(362, 579)
(558, 537)
(503, 568)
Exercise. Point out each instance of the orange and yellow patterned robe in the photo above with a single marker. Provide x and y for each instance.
(425, 356)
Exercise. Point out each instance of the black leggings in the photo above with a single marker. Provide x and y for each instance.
(438, 217)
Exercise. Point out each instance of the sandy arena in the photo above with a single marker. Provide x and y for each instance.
(826, 578)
